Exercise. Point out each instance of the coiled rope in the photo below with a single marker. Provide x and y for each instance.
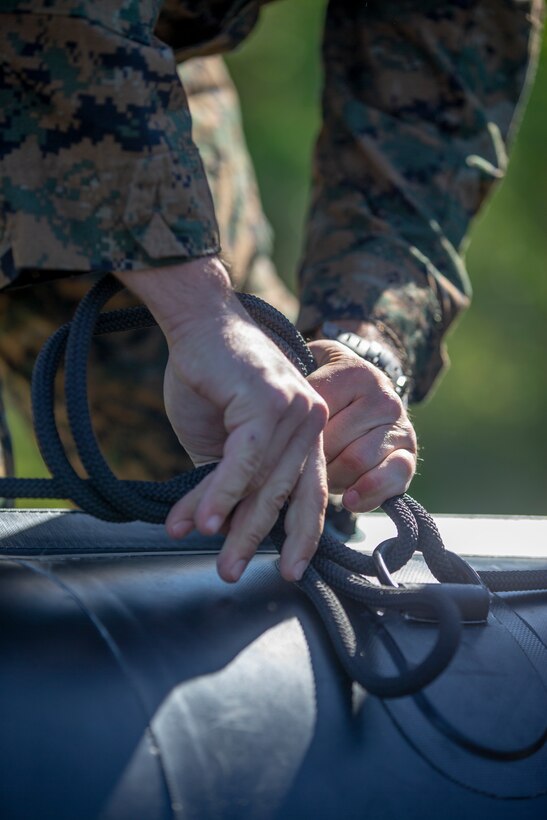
(336, 573)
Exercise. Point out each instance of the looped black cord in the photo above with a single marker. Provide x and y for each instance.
(335, 572)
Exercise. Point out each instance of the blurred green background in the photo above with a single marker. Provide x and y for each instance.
(483, 434)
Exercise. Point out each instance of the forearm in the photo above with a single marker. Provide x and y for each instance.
(181, 296)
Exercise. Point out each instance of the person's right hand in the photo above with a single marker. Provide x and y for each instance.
(233, 397)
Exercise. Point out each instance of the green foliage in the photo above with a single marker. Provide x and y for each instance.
(483, 434)
(278, 74)
(27, 458)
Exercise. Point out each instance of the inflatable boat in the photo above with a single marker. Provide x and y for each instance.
(136, 684)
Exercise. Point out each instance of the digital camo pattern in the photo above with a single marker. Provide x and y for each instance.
(126, 386)
(419, 101)
(99, 170)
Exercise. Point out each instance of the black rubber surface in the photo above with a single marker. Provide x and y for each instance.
(135, 684)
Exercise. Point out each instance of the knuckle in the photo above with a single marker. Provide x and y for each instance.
(249, 462)
(300, 405)
(402, 435)
(245, 477)
(319, 414)
(412, 445)
(279, 401)
(391, 404)
(405, 464)
(277, 498)
(357, 369)
(251, 541)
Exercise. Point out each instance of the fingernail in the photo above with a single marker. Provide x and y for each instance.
(238, 568)
(299, 569)
(213, 524)
(180, 528)
(351, 499)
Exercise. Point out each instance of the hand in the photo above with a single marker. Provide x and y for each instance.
(369, 442)
(233, 397)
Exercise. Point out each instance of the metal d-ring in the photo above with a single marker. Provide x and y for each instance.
(384, 575)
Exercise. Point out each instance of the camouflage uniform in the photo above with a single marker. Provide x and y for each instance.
(127, 381)
(100, 171)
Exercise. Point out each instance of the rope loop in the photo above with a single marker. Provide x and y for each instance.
(338, 577)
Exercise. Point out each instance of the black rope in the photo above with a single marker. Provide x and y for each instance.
(336, 573)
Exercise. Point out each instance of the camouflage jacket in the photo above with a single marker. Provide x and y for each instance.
(419, 101)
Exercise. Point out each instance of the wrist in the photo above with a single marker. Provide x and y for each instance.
(182, 297)
(368, 342)
(372, 331)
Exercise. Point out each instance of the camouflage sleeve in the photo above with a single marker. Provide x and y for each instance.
(419, 104)
(98, 170)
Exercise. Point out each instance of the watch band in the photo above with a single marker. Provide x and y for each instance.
(373, 352)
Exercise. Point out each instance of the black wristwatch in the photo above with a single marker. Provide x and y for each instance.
(372, 352)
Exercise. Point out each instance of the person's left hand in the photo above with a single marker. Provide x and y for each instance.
(369, 442)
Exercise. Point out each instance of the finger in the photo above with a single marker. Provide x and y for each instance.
(234, 475)
(243, 450)
(296, 414)
(242, 468)
(182, 515)
(366, 452)
(305, 517)
(360, 417)
(391, 477)
(256, 515)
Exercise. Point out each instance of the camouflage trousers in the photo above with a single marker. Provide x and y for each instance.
(126, 390)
